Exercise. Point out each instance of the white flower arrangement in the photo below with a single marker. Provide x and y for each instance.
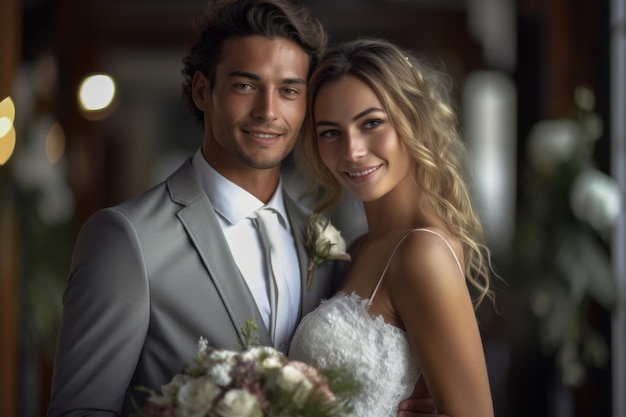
(562, 259)
(324, 242)
(258, 382)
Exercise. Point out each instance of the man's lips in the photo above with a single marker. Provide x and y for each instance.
(261, 135)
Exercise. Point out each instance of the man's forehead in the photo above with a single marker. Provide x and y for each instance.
(260, 57)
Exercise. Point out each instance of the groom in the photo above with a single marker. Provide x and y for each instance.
(184, 259)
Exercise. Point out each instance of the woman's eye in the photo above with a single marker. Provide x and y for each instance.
(370, 124)
(326, 134)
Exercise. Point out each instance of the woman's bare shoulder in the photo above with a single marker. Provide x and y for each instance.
(427, 255)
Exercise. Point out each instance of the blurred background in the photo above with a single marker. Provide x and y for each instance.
(91, 114)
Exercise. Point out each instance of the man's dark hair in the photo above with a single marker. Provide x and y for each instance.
(231, 19)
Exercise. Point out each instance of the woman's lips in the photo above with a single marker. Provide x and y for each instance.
(362, 174)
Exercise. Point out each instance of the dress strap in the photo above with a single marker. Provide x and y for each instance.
(380, 280)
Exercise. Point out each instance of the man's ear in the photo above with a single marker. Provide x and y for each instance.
(201, 91)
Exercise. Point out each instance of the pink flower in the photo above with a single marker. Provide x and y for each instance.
(158, 410)
(315, 378)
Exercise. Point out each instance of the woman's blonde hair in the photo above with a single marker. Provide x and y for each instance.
(416, 99)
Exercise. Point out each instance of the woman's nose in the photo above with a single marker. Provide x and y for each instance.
(354, 147)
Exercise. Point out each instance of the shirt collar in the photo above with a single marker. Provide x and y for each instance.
(230, 201)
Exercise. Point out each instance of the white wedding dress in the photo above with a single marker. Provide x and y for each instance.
(340, 333)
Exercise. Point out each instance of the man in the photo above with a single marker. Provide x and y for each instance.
(184, 260)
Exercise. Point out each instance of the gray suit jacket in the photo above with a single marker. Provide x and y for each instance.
(148, 278)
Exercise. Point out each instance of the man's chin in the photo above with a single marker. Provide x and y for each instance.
(262, 163)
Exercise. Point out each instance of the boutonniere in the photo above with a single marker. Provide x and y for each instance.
(323, 243)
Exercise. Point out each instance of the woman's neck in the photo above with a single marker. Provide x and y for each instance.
(398, 210)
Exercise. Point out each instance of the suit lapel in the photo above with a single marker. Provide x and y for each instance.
(202, 226)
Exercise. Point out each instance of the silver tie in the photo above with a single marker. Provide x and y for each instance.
(266, 221)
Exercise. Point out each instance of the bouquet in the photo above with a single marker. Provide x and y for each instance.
(258, 382)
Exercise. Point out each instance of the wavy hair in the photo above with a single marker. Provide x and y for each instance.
(231, 19)
(417, 101)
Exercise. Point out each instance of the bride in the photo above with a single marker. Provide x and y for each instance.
(380, 125)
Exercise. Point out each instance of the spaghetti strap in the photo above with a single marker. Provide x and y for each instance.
(380, 280)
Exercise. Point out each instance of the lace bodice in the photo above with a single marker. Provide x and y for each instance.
(341, 333)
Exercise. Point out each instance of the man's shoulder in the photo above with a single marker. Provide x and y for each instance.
(142, 201)
(158, 198)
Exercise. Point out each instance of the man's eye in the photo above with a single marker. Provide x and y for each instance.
(290, 91)
(242, 86)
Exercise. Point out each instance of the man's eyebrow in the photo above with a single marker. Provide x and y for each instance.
(244, 74)
(255, 77)
(294, 81)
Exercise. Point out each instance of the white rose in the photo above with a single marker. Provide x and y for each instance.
(326, 241)
(319, 382)
(254, 353)
(272, 362)
(596, 198)
(323, 242)
(552, 142)
(264, 357)
(238, 403)
(195, 398)
(295, 382)
(338, 248)
(170, 390)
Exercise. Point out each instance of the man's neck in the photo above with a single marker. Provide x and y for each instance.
(261, 183)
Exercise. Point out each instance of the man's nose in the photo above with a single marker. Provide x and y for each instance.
(265, 106)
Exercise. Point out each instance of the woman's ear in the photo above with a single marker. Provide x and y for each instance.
(201, 91)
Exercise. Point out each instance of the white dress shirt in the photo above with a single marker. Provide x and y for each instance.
(234, 206)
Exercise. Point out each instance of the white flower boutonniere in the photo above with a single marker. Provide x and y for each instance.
(323, 242)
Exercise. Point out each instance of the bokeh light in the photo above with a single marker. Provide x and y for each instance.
(55, 143)
(7, 130)
(96, 94)
(5, 125)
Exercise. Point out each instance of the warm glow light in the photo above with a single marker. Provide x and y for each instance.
(55, 143)
(7, 109)
(5, 126)
(7, 145)
(7, 131)
(7, 115)
(96, 92)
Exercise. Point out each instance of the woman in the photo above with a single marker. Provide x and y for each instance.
(380, 125)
